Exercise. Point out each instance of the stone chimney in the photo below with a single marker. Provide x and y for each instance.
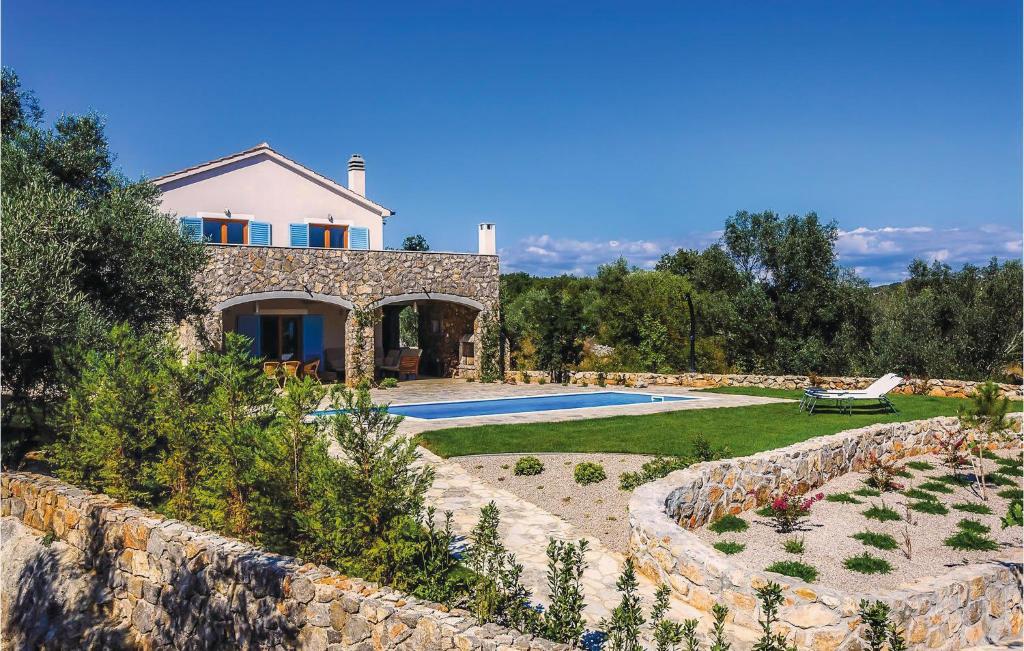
(487, 243)
(357, 174)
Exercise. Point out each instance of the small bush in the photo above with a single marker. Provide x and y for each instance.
(704, 451)
(1011, 493)
(971, 507)
(1014, 515)
(525, 377)
(918, 494)
(793, 545)
(864, 491)
(601, 381)
(973, 526)
(765, 511)
(970, 541)
(931, 507)
(867, 564)
(654, 469)
(879, 540)
(588, 473)
(920, 465)
(882, 472)
(935, 487)
(881, 513)
(1011, 463)
(729, 547)
(800, 570)
(528, 466)
(842, 498)
(728, 523)
(788, 510)
(999, 479)
(388, 383)
(542, 380)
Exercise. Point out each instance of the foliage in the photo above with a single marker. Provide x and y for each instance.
(880, 631)
(409, 327)
(528, 466)
(490, 342)
(842, 498)
(623, 628)
(498, 594)
(920, 465)
(79, 245)
(718, 640)
(704, 451)
(729, 547)
(728, 523)
(935, 487)
(966, 540)
(951, 445)
(973, 526)
(563, 620)
(415, 243)
(794, 545)
(931, 507)
(802, 571)
(879, 540)
(919, 494)
(438, 574)
(882, 473)
(986, 417)
(588, 473)
(1014, 515)
(770, 596)
(388, 383)
(971, 507)
(789, 510)
(1011, 494)
(651, 470)
(864, 491)
(881, 513)
(865, 563)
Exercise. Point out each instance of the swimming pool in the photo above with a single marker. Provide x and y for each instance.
(467, 408)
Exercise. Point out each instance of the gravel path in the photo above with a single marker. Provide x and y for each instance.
(598, 510)
(828, 542)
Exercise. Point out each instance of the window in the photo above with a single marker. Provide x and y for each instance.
(328, 236)
(225, 231)
(281, 337)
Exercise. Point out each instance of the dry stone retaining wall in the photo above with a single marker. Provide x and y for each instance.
(115, 576)
(961, 608)
(940, 388)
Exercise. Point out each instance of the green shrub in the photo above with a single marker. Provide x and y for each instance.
(765, 511)
(528, 466)
(935, 487)
(1014, 515)
(881, 513)
(704, 451)
(388, 383)
(842, 498)
(999, 479)
(729, 547)
(970, 541)
(525, 377)
(973, 526)
(1011, 463)
(879, 540)
(1011, 494)
(867, 564)
(920, 465)
(931, 507)
(588, 473)
(654, 469)
(728, 523)
(972, 507)
(800, 570)
(864, 491)
(793, 545)
(542, 380)
(918, 494)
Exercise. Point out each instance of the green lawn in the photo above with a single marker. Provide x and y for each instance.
(745, 430)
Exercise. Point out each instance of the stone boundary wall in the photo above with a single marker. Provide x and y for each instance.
(941, 388)
(156, 583)
(958, 609)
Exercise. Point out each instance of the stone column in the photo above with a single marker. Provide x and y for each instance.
(359, 344)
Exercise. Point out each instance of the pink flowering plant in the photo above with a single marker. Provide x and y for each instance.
(788, 510)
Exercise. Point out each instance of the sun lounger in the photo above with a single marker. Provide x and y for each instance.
(844, 397)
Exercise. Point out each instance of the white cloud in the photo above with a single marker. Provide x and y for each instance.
(879, 254)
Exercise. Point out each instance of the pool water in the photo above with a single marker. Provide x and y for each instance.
(464, 408)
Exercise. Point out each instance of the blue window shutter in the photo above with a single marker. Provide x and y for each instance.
(312, 337)
(259, 233)
(249, 326)
(359, 237)
(299, 234)
(192, 228)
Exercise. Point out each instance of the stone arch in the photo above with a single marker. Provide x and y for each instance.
(283, 294)
(432, 296)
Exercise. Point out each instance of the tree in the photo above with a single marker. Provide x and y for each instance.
(415, 243)
(563, 620)
(559, 334)
(623, 628)
(986, 417)
(771, 598)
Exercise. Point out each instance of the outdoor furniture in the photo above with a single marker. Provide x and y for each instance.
(409, 363)
(273, 371)
(391, 359)
(309, 369)
(844, 397)
(334, 364)
(291, 369)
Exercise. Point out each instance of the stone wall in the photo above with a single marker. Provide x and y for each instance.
(941, 388)
(360, 279)
(108, 575)
(958, 609)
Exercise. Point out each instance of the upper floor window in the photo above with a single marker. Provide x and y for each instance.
(225, 231)
(328, 236)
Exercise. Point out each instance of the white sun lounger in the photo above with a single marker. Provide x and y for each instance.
(845, 397)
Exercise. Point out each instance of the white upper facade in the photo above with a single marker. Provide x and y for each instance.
(259, 197)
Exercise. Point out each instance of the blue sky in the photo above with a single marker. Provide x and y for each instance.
(584, 130)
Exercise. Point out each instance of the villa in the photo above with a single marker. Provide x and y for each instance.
(298, 264)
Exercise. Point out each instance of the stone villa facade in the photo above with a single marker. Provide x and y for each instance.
(297, 264)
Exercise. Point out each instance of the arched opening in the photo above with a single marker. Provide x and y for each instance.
(291, 326)
(440, 327)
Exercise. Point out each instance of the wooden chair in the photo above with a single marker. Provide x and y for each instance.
(310, 369)
(409, 364)
(391, 359)
(273, 371)
(291, 369)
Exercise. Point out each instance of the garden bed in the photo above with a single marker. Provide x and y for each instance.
(828, 541)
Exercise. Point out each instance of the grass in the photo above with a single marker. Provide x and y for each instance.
(793, 545)
(999, 479)
(929, 506)
(729, 547)
(881, 513)
(728, 523)
(842, 498)
(1010, 493)
(973, 526)
(867, 564)
(864, 491)
(935, 487)
(879, 540)
(918, 494)
(972, 507)
(745, 430)
(764, 511)
(920, 465)
(969, 541)
(800, 570)
(1010, 463)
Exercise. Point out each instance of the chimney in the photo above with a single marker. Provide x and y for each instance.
(487, 245)
(357, 174)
